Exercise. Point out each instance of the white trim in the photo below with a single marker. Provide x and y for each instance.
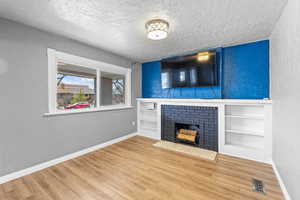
(56, 56)
(158, 125)
(221, 127)
(98, 91)
(102, 108)
(128, 88)
(243, 154)
(225, 101)
(52, 71)
(281, 183)
(50, 163)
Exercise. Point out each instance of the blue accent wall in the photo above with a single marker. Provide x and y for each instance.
(243, 74)
(246, 71)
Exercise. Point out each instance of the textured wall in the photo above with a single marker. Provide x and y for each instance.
(26, 137)
(243, 72)
(285, 87)
(246, 71)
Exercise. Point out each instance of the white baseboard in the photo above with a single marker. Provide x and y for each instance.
(239, 155)
(151, 136)
(282, 186)
(50, 163)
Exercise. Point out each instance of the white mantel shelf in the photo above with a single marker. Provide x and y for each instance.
(222, 101)
(244, 125)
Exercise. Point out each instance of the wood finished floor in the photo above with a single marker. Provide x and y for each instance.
(134, 169)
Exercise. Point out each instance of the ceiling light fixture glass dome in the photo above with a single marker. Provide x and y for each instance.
(157, 29)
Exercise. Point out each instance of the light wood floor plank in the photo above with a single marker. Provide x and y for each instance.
(134, 169)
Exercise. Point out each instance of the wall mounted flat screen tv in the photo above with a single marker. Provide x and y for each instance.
(197, 70)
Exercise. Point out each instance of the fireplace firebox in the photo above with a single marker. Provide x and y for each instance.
(188, 134)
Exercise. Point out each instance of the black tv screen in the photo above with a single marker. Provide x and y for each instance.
(197, 70)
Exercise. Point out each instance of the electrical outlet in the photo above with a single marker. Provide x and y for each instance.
(133, 123)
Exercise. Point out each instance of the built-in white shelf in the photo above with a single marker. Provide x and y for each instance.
(256, 117)
(148, 129)
(245, 126)
(147, 118)
(145, 111)
(246, 132)
(243, 147)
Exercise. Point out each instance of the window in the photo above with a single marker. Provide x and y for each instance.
(182, 76)
(193, 76)
(76, 87)
(78, 84)
(112, 89)
(165, 79)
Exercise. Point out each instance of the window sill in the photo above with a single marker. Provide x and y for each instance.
(103, 108)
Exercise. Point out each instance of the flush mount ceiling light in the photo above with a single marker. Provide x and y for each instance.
(157, 29)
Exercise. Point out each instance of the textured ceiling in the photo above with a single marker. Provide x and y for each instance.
(119, 25)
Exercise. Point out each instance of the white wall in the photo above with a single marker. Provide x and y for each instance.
(285, 92)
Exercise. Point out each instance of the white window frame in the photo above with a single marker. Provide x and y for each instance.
(56, 56)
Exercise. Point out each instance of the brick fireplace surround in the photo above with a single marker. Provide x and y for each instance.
(204, 119)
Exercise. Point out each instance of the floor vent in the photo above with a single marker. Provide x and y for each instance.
(258, 186)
